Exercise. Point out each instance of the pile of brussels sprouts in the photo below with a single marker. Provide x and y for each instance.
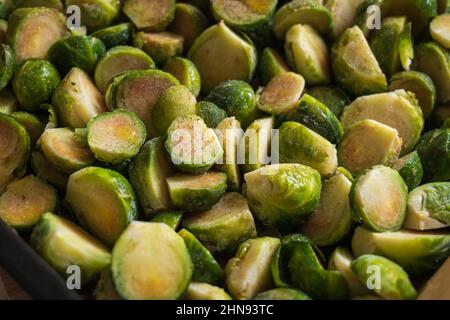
(355, 120)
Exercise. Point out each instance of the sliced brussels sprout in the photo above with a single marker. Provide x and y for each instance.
(150, 14)
(34, 83)
(77, 100)
(248, 273)
(344, 14)
(96, 14)
(282, 294)
(225, 225)
(310, 12)
(161, 46)
(103, 201)
(307, 54)
(205, 291)
(171, 218)
(15, 148)
(206, 268)
(148, 173)
(210, 113)
(283, 195)
(238, 58)
(176, 101)
(394, 283)
(104, 290)
(410, 168)
(186, 72)
(282, 93)
(434, 152)
(32, 123)
(332, 97)
(8, 101)
(368, 143)
(114, 36)
(43, 169)
(192, 146)
(355, 67)
(272, 63)
(299, 144)
(32, 31)
(7, 65)
(144, 269)
(197, 193)
(398, 110)
(332, 220)
(25, 201)
(378, 198)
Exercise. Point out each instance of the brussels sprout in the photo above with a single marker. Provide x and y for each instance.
(393, 283)
(25, 201)
(32, 31)
(139, 91)
(210, 113)
(271, 64)
(438, 70)
(332, 97)
(106, 217)
(355, 67)
(343, 13)
(282, 93)
(248, 273)
(446, 124)
(189, 22)
(282, 294)
(368, 143)
(206, 268)
(113, 36)
(282, 195)
(172, 218)
(398, 110)
(204, 291)
(34, 83)
(443, 6)
(15, 143)
(186, 72)
(3, 29)
(148, 173)
(96, 14)
(317, 117)
(298, 144)
(197, 193)
(52, 116)
(410, 168)
(7, 65)
(332, 220)
(116, 136)
(225, 225)
(176, 101)
(144, 269)
(161, 46)
(192, 146)
(346, 173)
(104, 290)
(309, 12)
(152, 15)
(8, 101)
(307, 53)
(221, 55)
(55, 4)
(77, 100)
(434, 152)
(43, 169)
(378, 199)
(366, 19)
(440, 28)
(32, 123)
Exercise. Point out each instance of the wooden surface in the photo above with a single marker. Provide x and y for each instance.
(438, 287)
(10, 289)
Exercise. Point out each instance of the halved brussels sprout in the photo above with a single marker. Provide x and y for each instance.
(205, 291)
(62, 244)
(398, 110)
(160, 46)
(368, 143)
(346, 173)
(417, 252)
(344, 14)
(34, 83)
(8, 101)
(96, 14)
(103, 201)
(104, 290)
(43, 169)
(393, 281)
(32, 31)
(192, 146)
(434, 152)
(176, 101)
(15, 148)
(32, 123)
(307, 54)
(299, 144)
(221, 55)
(332, 97)
(148, 173)
(150, 14)
(186, 72)
(283, 195)
(210, 113)
(271, 64)
(7, 65)
(410, 168)
(282, 93)
(206, 268)
(144, 269)
(378, 199)
(366, 18)
(355, 67)
(440, 29)
(77, 100)
(55, 4)
(114, 137)
(197, 193)
(25, 201)
(332, 220)
(171, 218)
(248, 273)
(225, 225)
(282, 294)
(113, 36)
